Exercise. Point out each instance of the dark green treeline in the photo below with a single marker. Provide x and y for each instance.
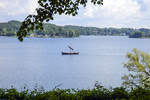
(50, 30)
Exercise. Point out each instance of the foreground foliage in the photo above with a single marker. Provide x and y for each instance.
(97, 93)
(139, 67)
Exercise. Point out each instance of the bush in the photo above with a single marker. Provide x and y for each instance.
(97, 93)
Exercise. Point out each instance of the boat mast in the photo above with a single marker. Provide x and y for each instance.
(71, 49)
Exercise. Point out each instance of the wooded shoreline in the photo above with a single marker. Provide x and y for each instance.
(50, 30)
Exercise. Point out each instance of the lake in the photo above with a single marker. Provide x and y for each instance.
(38, 61)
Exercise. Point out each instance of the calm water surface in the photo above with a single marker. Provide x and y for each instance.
(39, 61)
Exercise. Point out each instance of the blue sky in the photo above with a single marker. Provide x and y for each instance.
(114, 13)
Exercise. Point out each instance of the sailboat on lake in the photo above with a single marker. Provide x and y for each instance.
(71, 52)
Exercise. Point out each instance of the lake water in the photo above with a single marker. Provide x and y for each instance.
(38, 61)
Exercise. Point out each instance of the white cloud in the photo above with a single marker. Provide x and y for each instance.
(119, 13)
(114, 13)
(2, 5)
(146, 11)
(17, 7)
(31, 6)
(115, 9)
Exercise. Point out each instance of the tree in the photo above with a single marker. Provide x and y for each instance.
(137, 34)
(46, 11)
(139, 67)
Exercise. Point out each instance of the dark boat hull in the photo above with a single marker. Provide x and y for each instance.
(70, 53)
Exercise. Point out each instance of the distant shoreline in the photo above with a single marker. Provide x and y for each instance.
(11, 28)
(77, 37)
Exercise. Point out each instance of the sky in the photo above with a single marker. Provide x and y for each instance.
(114, 13)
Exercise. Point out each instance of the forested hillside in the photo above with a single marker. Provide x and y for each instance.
(132, 33)
(50, 30)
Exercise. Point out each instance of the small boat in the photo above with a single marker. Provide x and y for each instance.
(71, 52)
